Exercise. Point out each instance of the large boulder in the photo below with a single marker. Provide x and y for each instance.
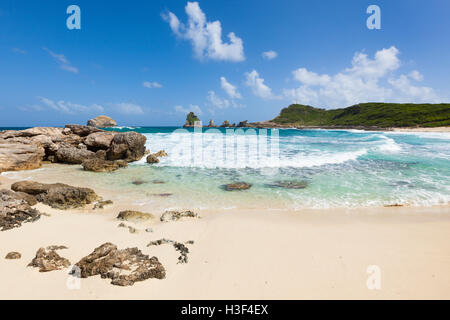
(100, 140)
(129, 146)
(57, 195)
(73, 155)
(123, 267)
(102, 122)
(80, 130)
(101, 165)
(18, 156)
(14, 212)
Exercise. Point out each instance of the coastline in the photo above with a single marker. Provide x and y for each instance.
(242, 254)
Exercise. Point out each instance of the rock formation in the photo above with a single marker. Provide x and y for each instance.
(100, 140)
(153, 158)
(100, 165)
(123, 267)
(211, 123)
(136, 216)
(16, 156)
(177, 215)
(180, 247)
(128, 146)
(14, 211)
(13, 255)
(237, 186)
(49, 260)
(225, 124)
(57, 195)
(102, 122)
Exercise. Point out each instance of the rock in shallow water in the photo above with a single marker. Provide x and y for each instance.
(123, 267)
(237, 186)
(48, 260)
(57, 195)
(100, 165)
(289, 184)
(129, 146)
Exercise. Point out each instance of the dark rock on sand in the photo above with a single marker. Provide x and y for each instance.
(177, 215)
(129, 146)
(15, 211)
(100, 165)
(49, 260)
(289, 184)
(237, 186)
(57, 195)
(73, 155)
(123, 267)
(136, 216)
(180, 247)
(102, 122)
(13, 255)
(102, 204)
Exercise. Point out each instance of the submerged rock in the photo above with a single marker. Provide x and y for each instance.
(48, 260)
(102, 122)
(100, 165)
(177, 215)
(13, 255)
(57, 195)
(137, 216)
(138, 182)
(289, 184)
(237, 186)
(123, 267)
(15, 211)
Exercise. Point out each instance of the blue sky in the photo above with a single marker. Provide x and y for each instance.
(150, 62)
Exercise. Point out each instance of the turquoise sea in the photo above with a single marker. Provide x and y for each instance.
(341, 168)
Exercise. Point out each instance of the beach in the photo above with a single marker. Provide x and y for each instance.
(244, 254)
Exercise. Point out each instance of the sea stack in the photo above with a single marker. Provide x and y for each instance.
(102, 122)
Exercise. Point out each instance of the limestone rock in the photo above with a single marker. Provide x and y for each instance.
(29, 199)
(123, 267)
(100, 165)
(152, 159)
(57, 195)
(13, 255)
(100, 140)
(15, 211)
(49, 260)
(177, 215)
(73, 155)
(81, 130)
(102, 122)
(129, 215)
(237, 186)
(18, 156)
(129, 146)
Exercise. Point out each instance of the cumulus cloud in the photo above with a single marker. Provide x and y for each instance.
(63, 62)
(256, 83)
(69, 107)
(230, 89)
(192, 108)
(367, 80)
(150, 85)
(269, 55)
(216, 101)
(128, 108)
(206, 37)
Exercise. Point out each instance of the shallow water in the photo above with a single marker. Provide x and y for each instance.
(342, 168)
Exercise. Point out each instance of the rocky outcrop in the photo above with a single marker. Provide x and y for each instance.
(225, 124)
(123, 267)
(180, 247)
(14, 211)
(211, 124)
(100, 140)
(73, 155)
(57, 195)
(153, 158)
(237, 186)
(100, 165)
(13, 255)
(49, 260)
(243, 124)
(81, 130)
(128, 146)
(17, 156)
(135, 216)
(177, 215)
(102, 122)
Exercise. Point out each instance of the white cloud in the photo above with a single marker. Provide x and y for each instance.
(269, 55)
(128, 108)
(148, 84)
(69, 107)
(230, 89)
(256, 83)
(216, 101)
(63, 62)
(206, 37)
(367, 80)
(194, 108)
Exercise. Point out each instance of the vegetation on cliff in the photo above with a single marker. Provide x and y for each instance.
(369, 115)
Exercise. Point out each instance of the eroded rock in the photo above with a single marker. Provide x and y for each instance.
(100, 165)
(102, 204)
(123, 267)
(180, 247)
(177, 215)
(129, 146)
(130, 215)
(13, 255)
(18, 156)
(100, 140)
(15, 211)
(48, 259)
(237, 186)
(102, 122)
(73, 155)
